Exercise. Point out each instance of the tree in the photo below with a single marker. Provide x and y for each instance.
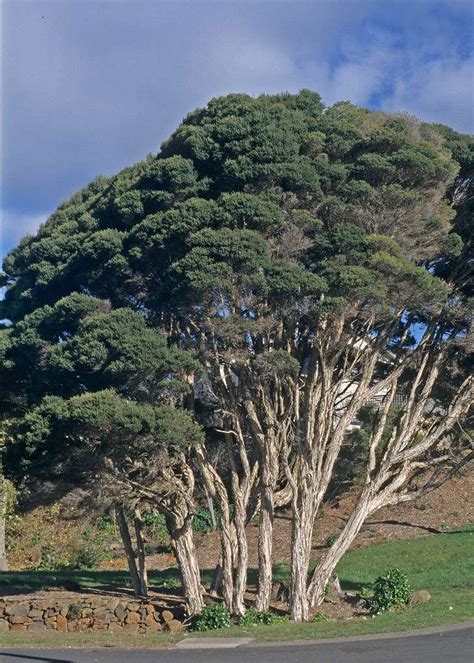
(294, 249)
(81, 349)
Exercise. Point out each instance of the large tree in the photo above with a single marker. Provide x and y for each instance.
(114, 424)
(295, 250)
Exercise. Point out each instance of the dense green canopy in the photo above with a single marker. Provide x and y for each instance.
(360, 194)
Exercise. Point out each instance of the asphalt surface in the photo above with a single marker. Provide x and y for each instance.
(453, 646)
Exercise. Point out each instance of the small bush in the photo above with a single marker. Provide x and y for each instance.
(88, 557)
(330, 539)
(50, 560)
(320, 617)
(252, 618)
(202, 521)
(391, 589)
(213, 617)
(155, 524)
(74, 611)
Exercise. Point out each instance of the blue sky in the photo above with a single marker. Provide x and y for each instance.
(90, 86)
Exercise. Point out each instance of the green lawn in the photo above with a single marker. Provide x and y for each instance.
(443, 564)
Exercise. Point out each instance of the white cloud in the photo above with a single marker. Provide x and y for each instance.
(14, 225)
(439, 90)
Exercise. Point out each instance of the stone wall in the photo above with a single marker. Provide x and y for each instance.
(89, 613)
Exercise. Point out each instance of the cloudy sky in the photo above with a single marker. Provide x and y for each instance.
(90, 86)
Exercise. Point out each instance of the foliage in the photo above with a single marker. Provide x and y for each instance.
(252, 618)
(213, 617)
(155, 524)
(391, 589)
(330, 539)
(202, 521)
(320, 617)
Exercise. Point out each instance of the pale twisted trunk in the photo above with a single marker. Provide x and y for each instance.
(128, 547)
(325, 567)
(217, 490)
(184, 550)
(302, 530)
(142, 569)
(265, 547)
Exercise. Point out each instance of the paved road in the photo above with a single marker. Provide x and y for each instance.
(455, 646)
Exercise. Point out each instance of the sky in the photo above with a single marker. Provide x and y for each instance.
(90, 86)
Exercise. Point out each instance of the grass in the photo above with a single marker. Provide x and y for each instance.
(442, 564)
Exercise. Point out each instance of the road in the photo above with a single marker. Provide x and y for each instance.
(453, 646)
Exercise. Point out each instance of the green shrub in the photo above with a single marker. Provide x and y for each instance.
(87, 557)
(330, 539)
(50, 560)
(320, 617)
(155, 524)
(213, 617)
(252, 618)
(202, 521)
(74, 611)
(391, 589)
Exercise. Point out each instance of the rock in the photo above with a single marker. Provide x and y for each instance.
(130, 628)
(52, 626)
(112, 604)
(133, 606)
(115, 627)
(421, 596)
(35, 613)
(132, 618)
(17, 620)
(174, 626)
(100, 613)
(167, 616)
(86, 612)
(3, 625)
(17, 610)
(36, 626)
(120, 611)
(62, 623)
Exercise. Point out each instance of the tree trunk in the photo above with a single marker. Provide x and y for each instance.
(303, 519)
(3, 518)
(325, 568)
(242, 557)
(127, 544)
(183, 546)
(216, 582)
(142, 570)
(265, 548)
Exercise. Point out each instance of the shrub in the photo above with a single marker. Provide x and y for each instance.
(88, 557)
(320, 617)
(330, 539)
(155, 524)
(213, 617)
(50, 560)
(390, 589)
(252, 618)
(202, 521)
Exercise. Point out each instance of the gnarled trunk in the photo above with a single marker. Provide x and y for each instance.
(325, 568)
(185, 552)
(265, 548)
(142, 570)
(303, 518)
(128, 547)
